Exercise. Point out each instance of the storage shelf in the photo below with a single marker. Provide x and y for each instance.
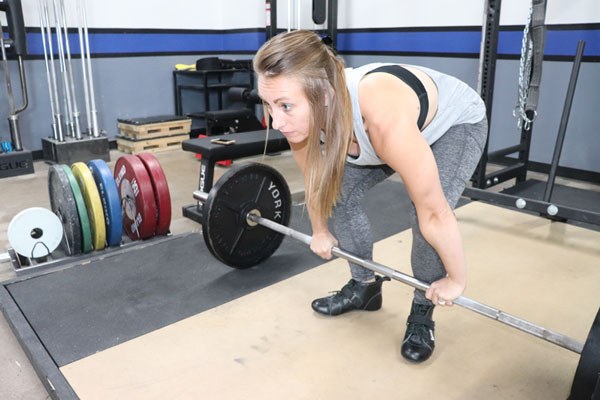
(209, 83)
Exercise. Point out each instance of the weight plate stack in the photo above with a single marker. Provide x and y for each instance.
(162, 195)
(62, 203)
(111, 202)
(137, 197)
(93, 203)
(245, 188)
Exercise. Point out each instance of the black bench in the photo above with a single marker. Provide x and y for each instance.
(246, 144)
(232, 121)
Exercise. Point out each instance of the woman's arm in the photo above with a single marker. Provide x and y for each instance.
(390, 110)
(322, 239)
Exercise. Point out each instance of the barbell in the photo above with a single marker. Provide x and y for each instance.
(245, 218)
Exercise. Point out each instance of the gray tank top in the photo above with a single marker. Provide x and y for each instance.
(457, 104)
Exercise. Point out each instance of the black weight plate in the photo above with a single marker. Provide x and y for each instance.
(64, 206)
(587, 375)
(242, 189)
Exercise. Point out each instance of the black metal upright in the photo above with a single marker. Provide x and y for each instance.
(564, 121)
(332, 21)
(491, 28)
(487, 73)
(271, 5)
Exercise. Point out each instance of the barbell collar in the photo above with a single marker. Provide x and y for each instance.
(4, 257)
(284, 230)
(200, 196)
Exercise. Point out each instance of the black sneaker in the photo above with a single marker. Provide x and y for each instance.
(419, 340)
(353, 296)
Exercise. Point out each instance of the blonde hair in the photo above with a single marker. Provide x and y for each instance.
(301, 54)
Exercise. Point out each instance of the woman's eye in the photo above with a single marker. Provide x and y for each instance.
(286, 107)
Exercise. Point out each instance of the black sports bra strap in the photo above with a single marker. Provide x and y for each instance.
(415, 84)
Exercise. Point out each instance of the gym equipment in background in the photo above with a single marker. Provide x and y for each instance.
(14, 159)
(69, 143)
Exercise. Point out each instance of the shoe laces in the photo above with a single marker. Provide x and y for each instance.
(420, 333)
(336, 294)
(340, 293)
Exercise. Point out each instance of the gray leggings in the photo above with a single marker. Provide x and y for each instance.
(456, 153)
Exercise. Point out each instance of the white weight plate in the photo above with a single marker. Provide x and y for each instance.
(35, 232)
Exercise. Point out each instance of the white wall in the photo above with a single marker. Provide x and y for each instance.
(240, 14)
(410, 13)
(160, 14)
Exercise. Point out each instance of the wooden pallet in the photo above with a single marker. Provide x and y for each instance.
(156, 130)
(156, 145)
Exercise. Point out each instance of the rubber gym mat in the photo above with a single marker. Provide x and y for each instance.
(89, 307)
(270, 345)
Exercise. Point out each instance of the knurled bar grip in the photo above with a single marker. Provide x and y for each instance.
(465, 302)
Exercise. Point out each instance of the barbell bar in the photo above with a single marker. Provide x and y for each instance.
(253, 217)
(465, 302)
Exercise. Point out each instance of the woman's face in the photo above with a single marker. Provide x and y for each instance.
(284, 98)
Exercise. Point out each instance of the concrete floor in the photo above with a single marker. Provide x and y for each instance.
(17, 377)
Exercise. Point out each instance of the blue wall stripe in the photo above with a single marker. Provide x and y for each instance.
(558, 43)
(565, 42)
(561, 42)
(427, 42)
(132, 43)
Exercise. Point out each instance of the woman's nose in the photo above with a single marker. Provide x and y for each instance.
(277, 122)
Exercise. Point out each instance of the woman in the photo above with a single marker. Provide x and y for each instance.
(349, 129)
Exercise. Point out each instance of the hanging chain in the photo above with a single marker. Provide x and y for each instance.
(524, 75)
